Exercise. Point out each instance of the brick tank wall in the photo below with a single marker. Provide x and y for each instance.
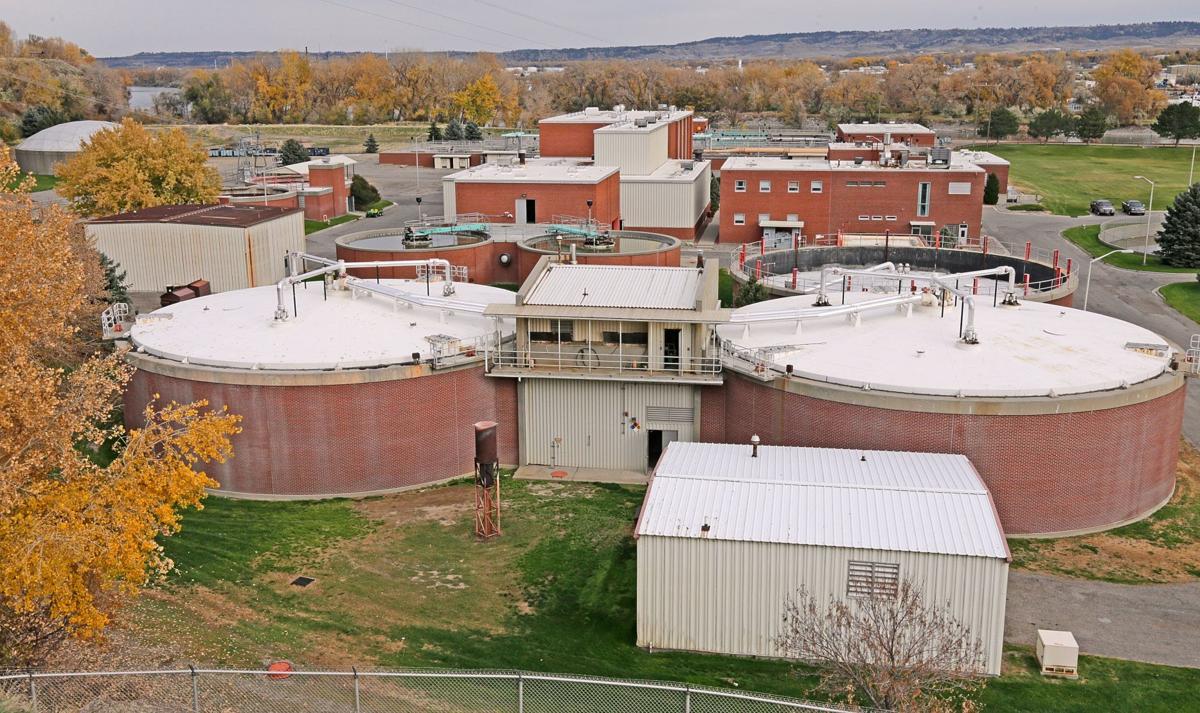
(1047, 473)
(347, 438)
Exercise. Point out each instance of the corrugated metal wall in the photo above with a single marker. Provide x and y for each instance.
(728, 597)
(635, 153)
(270, 241)
(449, 204)
(155, 255)
(665, 204)
(580, 423)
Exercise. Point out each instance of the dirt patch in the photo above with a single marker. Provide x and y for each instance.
(1164, 547)
(447, 506)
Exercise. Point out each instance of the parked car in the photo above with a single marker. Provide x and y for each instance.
(374, 212)
(1103, 207)
(1134, 208)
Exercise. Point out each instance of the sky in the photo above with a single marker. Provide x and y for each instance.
(121, 27)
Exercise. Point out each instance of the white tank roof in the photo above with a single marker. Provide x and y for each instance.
(64, 137)
(237, 329)
(1031, 350)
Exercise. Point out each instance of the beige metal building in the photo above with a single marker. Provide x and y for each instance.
(231, 246)
(609, 361)
(726, 537)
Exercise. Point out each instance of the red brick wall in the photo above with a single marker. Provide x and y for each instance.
(679, 139)
(1001, 173)
(838, 206)
(866, 153)
(1047, 473)
(898, 137)
(348, 438)
(320, 207)
(407, 158)
(330, 176)
(570, 139)
(496, 199)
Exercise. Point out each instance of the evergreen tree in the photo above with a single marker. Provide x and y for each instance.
(1049, 124)
(751, 292)
(1178, 121)
(454, 130)
(1091, 124)
(363, 192)
(999, 124)
(714, 194)
(1179, 239)
(114, 280)
(292, 152)
(37, 118)
(991, 190)
(435, 131)
(371, 145)
(472, 132)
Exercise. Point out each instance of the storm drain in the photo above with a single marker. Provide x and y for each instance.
(303, 581)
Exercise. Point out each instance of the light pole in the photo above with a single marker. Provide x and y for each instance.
(420, 213)
(1087, 285)
(1149, 213)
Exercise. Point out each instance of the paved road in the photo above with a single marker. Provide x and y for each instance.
(1153, 623)
(1156, 623)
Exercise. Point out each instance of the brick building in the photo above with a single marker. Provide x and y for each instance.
(539, 191)
(322, 185)
(914, 135)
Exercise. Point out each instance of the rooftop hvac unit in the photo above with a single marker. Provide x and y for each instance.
(687, 165)
(939, 156)
(662, 107)
(640, 123)
(652, 119)
(1058, 653)
(858, 160)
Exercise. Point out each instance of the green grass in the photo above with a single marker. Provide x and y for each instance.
(1087, 237)
(312, 226)
(41, 182)
(1069, 177)
(380, 204)
(1184, 297)
(725, 287)
(400, 582)
(1029, 207)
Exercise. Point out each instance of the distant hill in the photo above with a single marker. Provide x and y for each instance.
(796, 45)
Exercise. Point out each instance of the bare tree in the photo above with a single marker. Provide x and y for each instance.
(898, 652)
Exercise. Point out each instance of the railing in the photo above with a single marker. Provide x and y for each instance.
(193, 690)
(583, 358)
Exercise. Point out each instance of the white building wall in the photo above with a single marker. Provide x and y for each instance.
(728, 597)
(270, 241)
(583, 423)
(449, 209)
(636, 153)
(665, 204)
(155, 255)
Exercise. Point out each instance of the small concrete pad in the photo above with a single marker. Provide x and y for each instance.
(581, 475)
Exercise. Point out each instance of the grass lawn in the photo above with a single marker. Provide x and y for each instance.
(1164, 547)
(1087, 237)
(401, 582)
(312, 226)
(41, 182)
(1069, 177)
(1185, 297)
(380, 204)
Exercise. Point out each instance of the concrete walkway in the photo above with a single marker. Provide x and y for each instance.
(1155, 623)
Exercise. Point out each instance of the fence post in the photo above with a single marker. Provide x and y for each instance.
(687, 698)
(32, 693)
(195, 689)
(520, 693)
(357, 699)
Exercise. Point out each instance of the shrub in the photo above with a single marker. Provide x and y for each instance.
(363, 192)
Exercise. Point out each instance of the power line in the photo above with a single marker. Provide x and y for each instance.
(410, 23)
(548, 23)
(60, 88)
(468, 22)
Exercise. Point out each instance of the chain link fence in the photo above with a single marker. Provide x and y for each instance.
(248, 691)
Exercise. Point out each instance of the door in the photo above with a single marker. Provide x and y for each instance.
(530, 210)
(656, 442)
(671, 349)
(962, 233)
(519, 212)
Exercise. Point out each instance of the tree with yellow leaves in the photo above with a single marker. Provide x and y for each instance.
(1125, 86)
(479, 100)
(130, 167)
(78, 531)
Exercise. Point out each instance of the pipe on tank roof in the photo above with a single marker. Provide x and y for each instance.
(341, 266)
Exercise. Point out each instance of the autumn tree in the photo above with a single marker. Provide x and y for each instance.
(130, 167)
(1125, 86)
(479, 101)
(209, 98)
(854, 95)
(913, 87)
(898, 651)
(1178, 121)
(78, 530)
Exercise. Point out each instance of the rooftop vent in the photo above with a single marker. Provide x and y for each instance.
(652, 119)
(640, 123)
(687, 165)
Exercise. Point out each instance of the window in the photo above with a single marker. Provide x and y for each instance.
(816, 186)
(739, 218)
(851, 184)
(793, 186)
(764, 186)
(636, 338)
(864, 217)
(877, 217)
(872, 579)
(763, 217)
(880, 184)
(890, 218)
(793, 217)
(739, 186)
(960, 188)
(923, 199)
(560, 329)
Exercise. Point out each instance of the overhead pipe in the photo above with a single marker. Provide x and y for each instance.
(823, 299)
(806, 313)
(340, 268)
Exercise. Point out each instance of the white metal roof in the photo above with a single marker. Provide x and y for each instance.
(882, 500)
(958, 163)
(616, 286)
(593, 115)
(879, 128)
(546, 170)
(302, 167)
(64, 137)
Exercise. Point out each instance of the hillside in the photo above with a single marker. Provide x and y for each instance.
(1154, 35)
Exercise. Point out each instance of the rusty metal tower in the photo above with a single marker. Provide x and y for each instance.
(487, 481)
